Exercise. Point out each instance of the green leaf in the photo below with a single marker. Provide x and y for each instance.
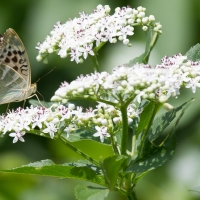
(139, 59)
(155, 156)
(145, 117)
(38, 103)
(161, 122)
(75, 170)
(138, 126)
(85, 134)
(194, 53)
(90, 193)
(152, 37)
(139, 135)
(118, 137)
(143, 107)
(111, 167)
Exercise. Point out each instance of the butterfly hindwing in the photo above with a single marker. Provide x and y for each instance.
(11, 85)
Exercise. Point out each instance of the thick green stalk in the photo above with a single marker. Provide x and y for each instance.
(93, 59)
(128, 186)
(124, 141)
(115, 146)
(94, 62)
(96, 49)
(132, 196)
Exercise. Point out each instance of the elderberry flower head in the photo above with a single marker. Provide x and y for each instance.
(63, 121)
(79, 36)
(137, 82)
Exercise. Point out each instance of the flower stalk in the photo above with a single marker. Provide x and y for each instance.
(94, 63)
(125, 137)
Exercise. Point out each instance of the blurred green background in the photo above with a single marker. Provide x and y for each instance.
(33, 20)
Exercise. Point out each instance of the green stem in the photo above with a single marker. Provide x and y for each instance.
(108, 102)
(94, 62)
(127, 186)
(115, 145)
(93, 59)
(96, 49)
(124, 141)
(132, 196)
(96, 100)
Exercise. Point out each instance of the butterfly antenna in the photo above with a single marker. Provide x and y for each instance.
(45, 75)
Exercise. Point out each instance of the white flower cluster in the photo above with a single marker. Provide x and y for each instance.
(78, 37)
(138, 82)
(63, 120)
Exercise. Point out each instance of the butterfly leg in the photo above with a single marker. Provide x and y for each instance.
(7, 108)
(24, 103)
(37, 99)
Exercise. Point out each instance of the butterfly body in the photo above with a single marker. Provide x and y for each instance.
(15, 72)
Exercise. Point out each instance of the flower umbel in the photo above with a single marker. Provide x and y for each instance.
(78, 37)
(137, 82)
(63, 120)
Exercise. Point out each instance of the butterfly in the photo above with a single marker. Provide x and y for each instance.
(15, 71)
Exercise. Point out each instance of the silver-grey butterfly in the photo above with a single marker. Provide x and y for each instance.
(15, 71)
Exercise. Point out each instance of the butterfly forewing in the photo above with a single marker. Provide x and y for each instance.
(15, 72)
(13, 54)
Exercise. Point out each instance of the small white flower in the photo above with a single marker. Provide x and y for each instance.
(141, 14)
(71, 106)
(151, 18)
(17, 136)
(39, 58)
(116, 120)
(104, 122)
(145, 28)
(163, 98)
(51, 129)
(101, 132)
(193, 83)
(70, 129)
(145, 20)
(168, 106)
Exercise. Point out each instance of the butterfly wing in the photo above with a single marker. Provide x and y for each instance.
(15, 72)
(13, 54)
(11, 84)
